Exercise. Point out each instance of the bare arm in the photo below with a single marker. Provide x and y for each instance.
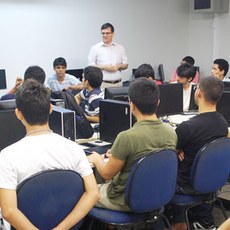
(10, 212)
(18, 82)
(75, 87)
(94, 119)
(225, 225)
(228, 136)
(109, 169)
(84, 205)
(78, 98)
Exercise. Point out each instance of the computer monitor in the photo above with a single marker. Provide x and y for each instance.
(115, 117)
(75, 72)
(7, 104)
(2, 79)
(161, 75)
(117, 93)
(223, 106)
(226, 85)
(12, 130)
(171, 99)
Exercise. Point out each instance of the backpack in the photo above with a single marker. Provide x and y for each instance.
(83, 126)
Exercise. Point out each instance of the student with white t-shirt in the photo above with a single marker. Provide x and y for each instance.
(185, 75)
(40, 150)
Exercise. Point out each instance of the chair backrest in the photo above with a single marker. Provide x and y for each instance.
(152, 181)
(48, 197)
(211, 166)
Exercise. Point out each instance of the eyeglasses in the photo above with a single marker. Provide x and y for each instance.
(106, 33)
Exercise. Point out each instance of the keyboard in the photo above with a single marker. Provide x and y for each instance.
(98, 149)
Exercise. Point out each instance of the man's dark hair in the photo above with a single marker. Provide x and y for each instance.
(186, 70)
(106, 26)
(36, 73)
(93, 75)
(59, 61)
(188, 59)
(144, 94)
(213, 89)
(144, 70)
(33, 100)
(222, 65)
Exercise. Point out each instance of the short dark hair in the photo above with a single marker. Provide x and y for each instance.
(144, 70)
(186, 70)
(222, 65)
(35, 72)
(188, 59)
(33, 100)
(106, 26)
(93, 75)
(144, 94)
(59, 61)
(212, 88)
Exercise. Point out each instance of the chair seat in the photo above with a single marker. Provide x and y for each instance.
(117, 217)
(182, 199)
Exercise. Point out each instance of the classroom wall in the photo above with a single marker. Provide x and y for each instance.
(36, 32)
(209, 38)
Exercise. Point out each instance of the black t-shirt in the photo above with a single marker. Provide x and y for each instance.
(194, 134)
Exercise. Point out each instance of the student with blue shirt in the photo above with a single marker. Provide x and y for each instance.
(61, 80)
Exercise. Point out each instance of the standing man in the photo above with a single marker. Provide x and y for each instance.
(192, 136)
(40, 150)
(61, 80)
(91, 95)
(148, 134)
(220, 69)
(110, 57)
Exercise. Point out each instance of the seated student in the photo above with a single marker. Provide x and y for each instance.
(90, 96)
(32, 72)
(185, 75)
(192, 136)
(189, 60)
(40, 150)
(61, 80)
(146, 70)
(220, 69)
(147, 135)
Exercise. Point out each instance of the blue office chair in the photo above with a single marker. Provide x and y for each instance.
(151, 184)
(48, 197)
(209, 172)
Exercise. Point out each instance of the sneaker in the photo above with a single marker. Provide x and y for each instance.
(202, 224)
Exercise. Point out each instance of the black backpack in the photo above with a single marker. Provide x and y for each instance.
(83, 127)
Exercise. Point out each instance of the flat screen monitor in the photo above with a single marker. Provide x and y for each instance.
(7, 104)
(223, 106)
(12, 130)
(161, 75)
(75, 72)
(2, 79)
(115, 117)
(171, 99)
(117, 93)
(226, 85)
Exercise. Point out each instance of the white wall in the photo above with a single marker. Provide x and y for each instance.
(209, 37)
(37, 31)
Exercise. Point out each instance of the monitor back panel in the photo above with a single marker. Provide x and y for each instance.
(2, 79)
(223, 106)
(11, 129)
(115, 117)
(75, 72)
(171, 99)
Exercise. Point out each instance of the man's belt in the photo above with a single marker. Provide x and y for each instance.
(112, 82)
